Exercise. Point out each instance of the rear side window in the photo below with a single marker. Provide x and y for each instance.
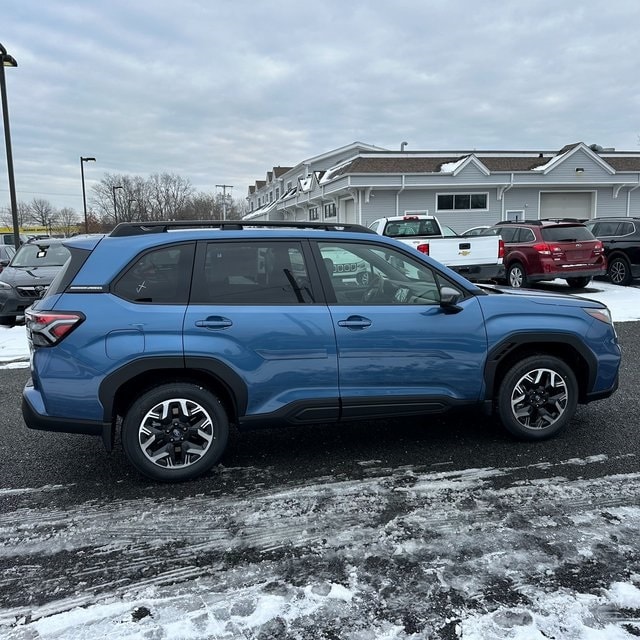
(160, 276)
(255, 272)
(606, 229)
(65, 276)
(567, 233)
(626, 228)
(508, 233)
(523, 234)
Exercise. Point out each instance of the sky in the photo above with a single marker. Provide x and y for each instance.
(220, 92)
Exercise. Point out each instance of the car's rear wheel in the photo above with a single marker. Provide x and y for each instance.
(578, 283)
(537, 397)
(619, 271)
(7, 321)
(517, 276)
(175, 432)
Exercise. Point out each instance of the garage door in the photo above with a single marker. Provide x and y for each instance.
(566, 205)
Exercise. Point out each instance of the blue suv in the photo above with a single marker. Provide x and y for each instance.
(170, 332)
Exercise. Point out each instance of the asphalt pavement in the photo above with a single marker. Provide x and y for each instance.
(609, 427)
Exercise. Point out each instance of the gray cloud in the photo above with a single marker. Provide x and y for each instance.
(221, 91)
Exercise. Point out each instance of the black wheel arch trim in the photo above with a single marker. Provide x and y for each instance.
(180, 365)
(508, 344)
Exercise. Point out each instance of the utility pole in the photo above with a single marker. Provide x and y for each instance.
(224, 188)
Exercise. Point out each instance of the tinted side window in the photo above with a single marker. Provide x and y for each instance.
(254, 272)
(508, 233)
(161, 276)
(607, 229)
(361, 273)
(525, 235)
(626, 228)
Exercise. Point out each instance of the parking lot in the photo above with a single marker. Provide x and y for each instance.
(433, 527)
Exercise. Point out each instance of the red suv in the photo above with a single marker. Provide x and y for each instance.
(538, 250)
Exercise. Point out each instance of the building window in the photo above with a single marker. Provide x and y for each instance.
(270, 196)
(289, 186)
(313, 213)
(277, 192)
(329, 210)
(462, 201)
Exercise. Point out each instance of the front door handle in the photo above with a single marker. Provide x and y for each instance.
(355, 322)
(214, 322)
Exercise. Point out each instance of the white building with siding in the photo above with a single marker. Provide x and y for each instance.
(361, 182)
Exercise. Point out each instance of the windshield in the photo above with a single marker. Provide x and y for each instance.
(567, 233)
(33, 255)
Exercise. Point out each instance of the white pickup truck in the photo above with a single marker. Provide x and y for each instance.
(477, 258)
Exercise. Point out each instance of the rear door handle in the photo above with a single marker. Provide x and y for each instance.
(214, 322)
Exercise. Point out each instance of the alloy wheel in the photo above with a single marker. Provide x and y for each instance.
(176, 433)
(539, 399)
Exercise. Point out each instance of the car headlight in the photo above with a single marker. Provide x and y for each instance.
(4, 285)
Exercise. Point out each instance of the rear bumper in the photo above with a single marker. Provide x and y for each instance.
(480, 272)
(566, 273)
(35, 418)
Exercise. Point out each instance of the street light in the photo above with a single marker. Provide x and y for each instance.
(115, 207)
(9, 61)
(129, 208)
(84, 198)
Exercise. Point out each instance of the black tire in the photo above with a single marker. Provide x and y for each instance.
(537, 397)
(182, 425)
(8, 321)
(517, 276)
(578, 283)
(619, 271)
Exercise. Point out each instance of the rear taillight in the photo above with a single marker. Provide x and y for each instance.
(423, 248)
(542, 248)
(47, 328)
(598, 248)
(501, 248)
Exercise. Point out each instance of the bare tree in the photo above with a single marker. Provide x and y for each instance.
(202, 206)
(67, 221)
(119, 198)
(169, 196)
(42, 214)
(23, 214)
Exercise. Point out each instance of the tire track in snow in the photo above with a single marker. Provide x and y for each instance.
(454, 530)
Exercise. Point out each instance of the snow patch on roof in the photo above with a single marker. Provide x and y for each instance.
(450, 167)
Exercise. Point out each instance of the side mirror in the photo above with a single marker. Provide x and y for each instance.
(449, 299)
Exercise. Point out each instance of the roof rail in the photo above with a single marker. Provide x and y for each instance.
(581, 220)
(538, 222)
(143, 228)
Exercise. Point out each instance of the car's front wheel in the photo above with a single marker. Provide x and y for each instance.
(537, 397)
(175, 432)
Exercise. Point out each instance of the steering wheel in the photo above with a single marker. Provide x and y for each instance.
(375, 290)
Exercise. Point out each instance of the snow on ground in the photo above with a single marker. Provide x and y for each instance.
(624, 303)
(408, 553)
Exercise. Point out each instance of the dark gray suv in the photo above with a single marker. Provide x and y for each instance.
(27, 276)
